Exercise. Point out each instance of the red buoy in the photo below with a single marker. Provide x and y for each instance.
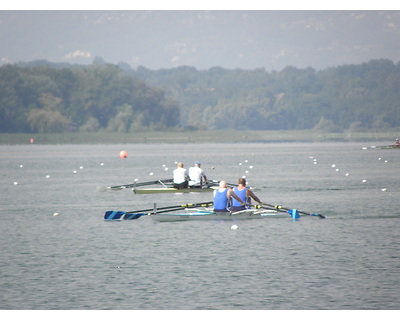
(123, 154)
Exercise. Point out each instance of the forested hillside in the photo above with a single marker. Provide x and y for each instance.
(350, 97)
(46, 97)
(97, 97)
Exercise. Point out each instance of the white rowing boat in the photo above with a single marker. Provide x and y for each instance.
(195, 214)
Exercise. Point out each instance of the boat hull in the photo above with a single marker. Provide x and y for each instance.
(209, 215)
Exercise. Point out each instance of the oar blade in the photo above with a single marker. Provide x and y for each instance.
(113, 215)
(117, 188)
(132, 216)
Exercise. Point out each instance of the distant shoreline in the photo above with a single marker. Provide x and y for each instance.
(220, 136)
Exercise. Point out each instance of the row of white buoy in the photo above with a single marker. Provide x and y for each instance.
(247, 171)
(348, 174)
(47, 176)
(383, 189)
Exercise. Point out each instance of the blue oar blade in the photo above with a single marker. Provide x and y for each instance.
(294, 213)
(132, 216)
(113, 215)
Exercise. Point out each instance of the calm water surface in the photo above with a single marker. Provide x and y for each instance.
(78, 261)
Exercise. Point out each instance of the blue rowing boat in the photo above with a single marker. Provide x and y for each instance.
(194, 214)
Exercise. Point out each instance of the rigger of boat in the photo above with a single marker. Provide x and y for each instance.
(165, 186)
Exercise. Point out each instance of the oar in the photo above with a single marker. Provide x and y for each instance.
(133, 185)
(216, 183)
(115, 215)
(209, 204)
(280, 208)
(179, 206)
(230, 185)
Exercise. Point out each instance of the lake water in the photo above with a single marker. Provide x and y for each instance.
(77, 261)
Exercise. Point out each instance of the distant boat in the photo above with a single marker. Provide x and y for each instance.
(396, 145)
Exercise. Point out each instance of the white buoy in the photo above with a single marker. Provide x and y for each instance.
(347, 174)
(15, 183)
(337, 169)
(234, 227)
(56, 214)
(21, 165)
(47, 176)
(166, 169)
(384, 189)
(102, 164)
(81, 167)
(74, 171)
(151, 173)
(334, 165)
(364, 181)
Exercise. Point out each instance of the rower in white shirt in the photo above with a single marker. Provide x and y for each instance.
(180, 177)
(197, 176)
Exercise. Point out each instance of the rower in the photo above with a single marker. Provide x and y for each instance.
(180, 177)
(222, 197)
(197, 176)
(245, 194)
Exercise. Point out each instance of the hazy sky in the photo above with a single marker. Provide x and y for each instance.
(271, 39)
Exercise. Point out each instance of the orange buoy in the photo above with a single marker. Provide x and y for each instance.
(123, 154)
(32, 140)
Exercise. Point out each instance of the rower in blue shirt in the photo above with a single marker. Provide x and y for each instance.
(223, 196)
(245, 194)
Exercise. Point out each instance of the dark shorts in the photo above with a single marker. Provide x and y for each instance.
(182, 185)
(235, 209)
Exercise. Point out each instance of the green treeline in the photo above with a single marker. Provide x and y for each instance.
(350, 97)
(44, 97)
